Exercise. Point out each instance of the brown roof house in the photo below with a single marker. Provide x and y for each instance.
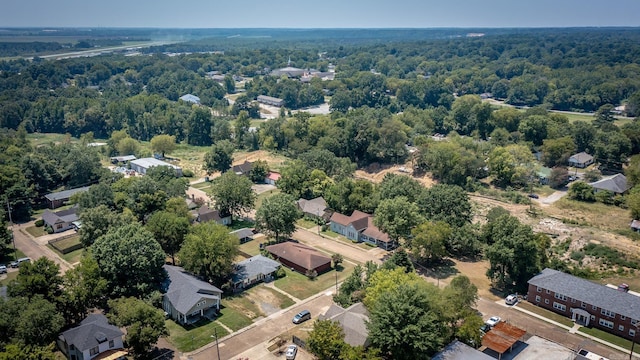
(353, 320)
(359, 227)
(300, 257)
(205, 214)
(314, 208)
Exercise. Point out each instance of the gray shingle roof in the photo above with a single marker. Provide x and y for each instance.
(242, 233)
(250, 268)
(61, 195)
(616, 183)
(86, 335)
(581, 158)
(315, 206)
(353, 321)
(184, 290)
(62, 216)
(619, 302)
(460, 351)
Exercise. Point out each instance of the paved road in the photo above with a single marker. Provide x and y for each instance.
(35, 249)
(263, 330)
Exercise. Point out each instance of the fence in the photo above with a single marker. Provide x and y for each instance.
(65, 250)
(296, 340)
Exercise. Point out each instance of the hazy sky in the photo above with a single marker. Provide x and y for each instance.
(318, 13)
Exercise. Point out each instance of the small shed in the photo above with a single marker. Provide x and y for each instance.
(502, 338)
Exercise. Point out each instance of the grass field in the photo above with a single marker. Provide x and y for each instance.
(251, 247)
(306, 224)
(36, 231)
(260, 198)
(233, 319)
(302, 287)
(546, 313)
(74, 256)
(606, 217)
(616, 340)
(195, 336)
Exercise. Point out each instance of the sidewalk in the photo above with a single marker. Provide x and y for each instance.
(573, 330)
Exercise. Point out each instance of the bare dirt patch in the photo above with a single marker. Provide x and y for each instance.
(375, 173)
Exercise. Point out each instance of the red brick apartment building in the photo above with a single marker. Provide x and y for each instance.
(586, 303)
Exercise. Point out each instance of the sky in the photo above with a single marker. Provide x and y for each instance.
(318, 14)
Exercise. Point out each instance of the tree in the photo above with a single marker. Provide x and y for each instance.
(163, 144)
(83, 288)
(233, 194)
(259, 171)
(39, 323)
(277, 215)
(144, 323)
(28, 352)
(337, 259)
(229, 84)
(128, 146)
(384, 281)
(582, 191)
(209, 251)
(199, 127)
(396, 217)
(448, 203)
(99, 194)
(404, 323)
(556, 152)
(41, 277)
(399, 259)
(428, 241)
(96, 222)
(241, 127)
(169, 230)
(394, 185)
(294, 179)
(633, 203)
(220, 157)
(131, 261)
(326, 340)
(559, 177)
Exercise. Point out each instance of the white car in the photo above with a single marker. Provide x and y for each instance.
(291, 352)
(493, 321)
(511, 300)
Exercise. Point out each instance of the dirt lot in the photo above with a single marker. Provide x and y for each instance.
(375, 173)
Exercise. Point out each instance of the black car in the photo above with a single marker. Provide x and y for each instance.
(533, 196)
(485, 328)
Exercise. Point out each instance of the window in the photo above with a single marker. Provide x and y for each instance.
(94, 351)
(559, 306)
(583, 305)
(573, 300)
(547, 291)
(622, 317)
(546, 301)
(537, 298)
(608, 313)
(539, 289)
(593, 317)
(606, 323)
(620, 328)
(632, 332)
(634, 322)
(594, 307)
(111, 344)
(560, 297)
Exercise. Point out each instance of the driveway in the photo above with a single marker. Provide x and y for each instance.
(36, 249)
(553, 197)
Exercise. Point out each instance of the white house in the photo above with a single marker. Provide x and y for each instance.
(142, 165)
(187, 298)
(93, 337)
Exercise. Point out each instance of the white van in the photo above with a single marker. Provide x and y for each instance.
(24, 259)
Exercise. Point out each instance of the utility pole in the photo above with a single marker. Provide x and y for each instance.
(13, 238)
(215, 331)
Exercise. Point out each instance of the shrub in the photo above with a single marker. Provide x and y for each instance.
(281, 273)
(49, 230)
(311, 274)
(577, 255)
(39, 223)
(187, 173)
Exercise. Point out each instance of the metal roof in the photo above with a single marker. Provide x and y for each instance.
(502, 337)
(190, 98)
(616, 183)
(62, 195)
(460, 351)
(150, 162)
(619, 302)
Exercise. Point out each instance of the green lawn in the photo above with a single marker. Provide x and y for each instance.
(265, 195)
(195, 336)
(331, 234)
(241, 303)
(36, 231)
(74, 256)
(204, 186)
(307, 224)
(546, 313)
(240, 224)
(10, 276)
(233, 319)
(251, 247)
(616, 340)
(68, 242)
(301, 287)
(362, 245)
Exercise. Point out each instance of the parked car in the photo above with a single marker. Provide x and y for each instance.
(3, 269)
(291, 352)
(511, 299)
(485, 329)
(493, 321)
(14, 264)
(533, 196)
(23, 260)
(301, 317)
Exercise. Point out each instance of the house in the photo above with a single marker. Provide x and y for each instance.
(268, 100)
(271, 178)
(300, 257)
(581, 160)
(359, 227)
(187, 298)
(122, 159)
(353, 320)
(457, 350)
(243, 169)
(585, 302)
(615, 183)
(190, 98)
(243, 235)
(92, 338)
(253, 270)
(142, 165)
(314, 208)
(60, 198)
(62, 220)
(205, 214)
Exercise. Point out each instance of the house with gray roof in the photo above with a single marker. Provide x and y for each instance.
(57, 199)
(206, 214)
(253, 270)
(458, 350)
(92, 338)
(581, 160)
(142, 165)
(187, 299)
(585, 302)
(243, 235)
(270, 100)
(353, 320)
(314, 208)
(62, 220)
(615, 183)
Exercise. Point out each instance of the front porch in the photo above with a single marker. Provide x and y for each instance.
(580, 316)
(209, 313)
